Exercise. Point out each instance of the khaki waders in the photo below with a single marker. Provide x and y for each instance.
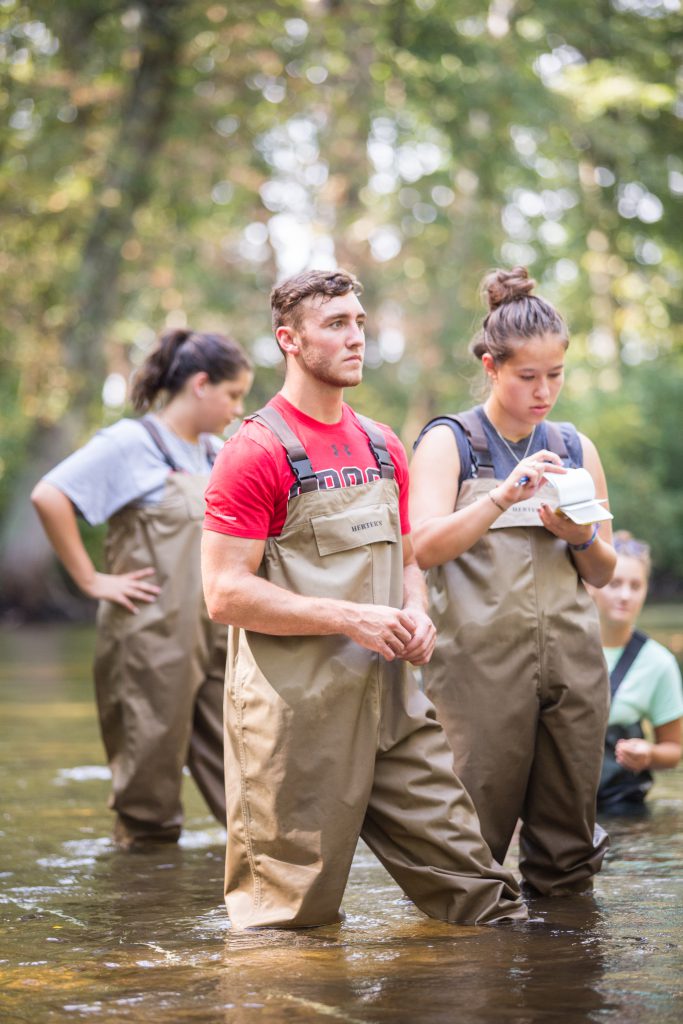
(326, 741)
(159, 675)
(520, 686)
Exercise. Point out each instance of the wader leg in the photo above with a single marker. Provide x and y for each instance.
(131, 833)
(298, 775)
(422, 824)
(492, 738)
(205, 755)
(561, 848)
(145, 718)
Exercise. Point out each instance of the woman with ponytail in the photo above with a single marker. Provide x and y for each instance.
(518, 677)
(159, 660)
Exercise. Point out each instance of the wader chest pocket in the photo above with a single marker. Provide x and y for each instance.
(354, 528)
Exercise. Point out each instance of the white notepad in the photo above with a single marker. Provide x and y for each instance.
(573, 494)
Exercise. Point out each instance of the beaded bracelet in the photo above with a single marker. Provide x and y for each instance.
(587, 544)
(496, 503)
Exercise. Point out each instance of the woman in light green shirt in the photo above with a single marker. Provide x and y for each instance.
(649, 690)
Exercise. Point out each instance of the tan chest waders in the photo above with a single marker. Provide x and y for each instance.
(519, 683)
(326, 741)
(159, 675)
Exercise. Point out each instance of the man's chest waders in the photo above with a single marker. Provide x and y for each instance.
(326, 741)
(159, 675)
(520, 685)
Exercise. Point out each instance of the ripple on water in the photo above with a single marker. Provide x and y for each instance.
(202, 839)
(89, 847)
(65, 862)
(82, 773)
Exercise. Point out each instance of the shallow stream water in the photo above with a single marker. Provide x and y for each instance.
(91, 934)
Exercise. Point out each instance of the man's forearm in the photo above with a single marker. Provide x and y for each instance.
(253, 603)
(414, 587)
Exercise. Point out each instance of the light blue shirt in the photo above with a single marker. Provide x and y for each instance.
(651, 688)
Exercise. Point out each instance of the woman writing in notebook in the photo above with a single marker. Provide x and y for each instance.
(517, 677)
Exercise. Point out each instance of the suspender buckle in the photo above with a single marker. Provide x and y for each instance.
(383, 460)
(304, 473)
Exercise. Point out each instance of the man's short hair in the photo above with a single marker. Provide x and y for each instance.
(286, 298)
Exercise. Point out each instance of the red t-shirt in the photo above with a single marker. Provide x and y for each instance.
(252, 480)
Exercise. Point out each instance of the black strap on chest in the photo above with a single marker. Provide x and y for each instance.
(626, 659)
(482, 460)
(296, 453)
(150, 426)
(153, 431)
(556, 442)
(620, 787)
(378, 446)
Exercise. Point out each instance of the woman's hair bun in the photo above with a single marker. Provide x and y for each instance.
(502, 286)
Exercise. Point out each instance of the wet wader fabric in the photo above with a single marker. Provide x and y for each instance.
(519, 683)
(159, 675)
(619, 785)
(326, 741)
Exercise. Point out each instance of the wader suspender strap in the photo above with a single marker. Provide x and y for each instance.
(153, 432)
(378, 447)
(628, 656)
(556, 441)
(474, 429)
(296, 454)
(210, 453)
(299, 460)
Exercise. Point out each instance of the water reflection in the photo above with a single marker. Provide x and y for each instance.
(93, 934)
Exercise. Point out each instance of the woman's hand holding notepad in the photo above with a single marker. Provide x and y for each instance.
(573, 495)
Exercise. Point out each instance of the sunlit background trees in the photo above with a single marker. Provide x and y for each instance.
(164, 162)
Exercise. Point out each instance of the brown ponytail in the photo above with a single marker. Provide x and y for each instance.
(178, 355)
(514, 315)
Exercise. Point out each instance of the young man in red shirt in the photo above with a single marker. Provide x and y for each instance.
(307, 556)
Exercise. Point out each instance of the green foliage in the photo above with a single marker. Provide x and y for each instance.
(638, 431)
(417, 141)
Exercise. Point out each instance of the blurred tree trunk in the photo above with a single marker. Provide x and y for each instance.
(29, 580)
